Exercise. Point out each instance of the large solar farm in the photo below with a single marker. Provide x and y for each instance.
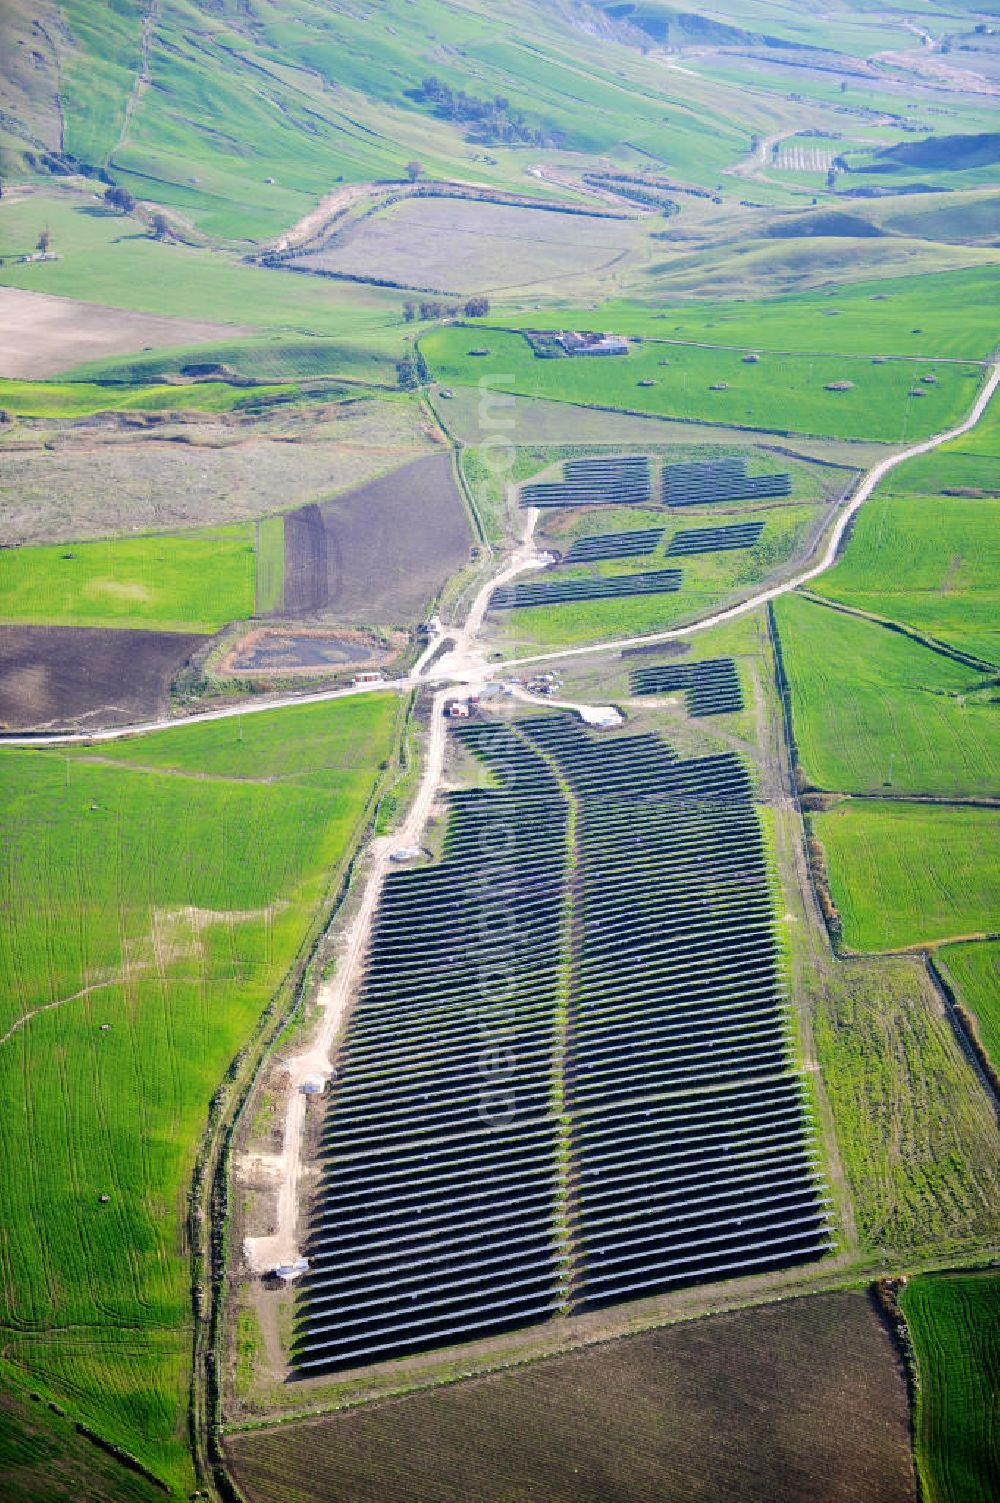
(499, 752)
(568, 1080)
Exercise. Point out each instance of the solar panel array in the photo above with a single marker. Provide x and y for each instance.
(435, 1218)
(601, 587)
(715, 539)
(688, 1132)
(615, 481)
(601, 919)
(613, 545)
(712, 686)
(701, 482)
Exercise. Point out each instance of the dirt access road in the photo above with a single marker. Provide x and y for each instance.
(285, 1169)
(465, 663)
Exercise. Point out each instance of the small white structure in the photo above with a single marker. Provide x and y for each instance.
(601, 717)
(288, 1272)
(369, 676)
(458, 710)
(406, 853)
(592, 344)
(313, 1087)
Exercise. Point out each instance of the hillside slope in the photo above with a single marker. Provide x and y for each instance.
(240, 116)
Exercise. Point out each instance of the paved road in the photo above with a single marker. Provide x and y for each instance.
(466, 664)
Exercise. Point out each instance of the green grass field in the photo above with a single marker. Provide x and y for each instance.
(270, 581)
(106, 259)
(910, 874)
(188, 581)
(916, 1134)
(162, 887)
(937, 314)
(242, 130)
(55, 399)
(954, 1322)
(872, 709)
(285, 358)
(929, 559)
(931, 562)
(782, 393)
(43, 1456)
(974, 972)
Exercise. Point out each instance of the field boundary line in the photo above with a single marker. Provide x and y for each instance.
(933, 644)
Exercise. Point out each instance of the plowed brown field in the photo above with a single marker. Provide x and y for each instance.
(800, 1400)
(378, 554)
(85, 676)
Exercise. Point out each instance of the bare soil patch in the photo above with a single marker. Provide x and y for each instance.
(41, 335)
(271, 650)
(85, 676)
(378, 553)
(461, 245)
(796, 1401)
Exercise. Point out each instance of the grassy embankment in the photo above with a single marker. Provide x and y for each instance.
(780, 393)
(68, 399)
(954, 1322)
(156, 895)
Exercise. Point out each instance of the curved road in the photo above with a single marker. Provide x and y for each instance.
(464, 665)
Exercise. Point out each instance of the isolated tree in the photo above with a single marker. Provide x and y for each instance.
(120, 199)
(413, 170)
(477, 307)
(159, 226)
(44, 239)
(409, 310)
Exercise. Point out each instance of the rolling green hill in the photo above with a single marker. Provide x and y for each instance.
(239, 118)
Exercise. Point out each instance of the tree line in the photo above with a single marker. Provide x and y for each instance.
(426, 308)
